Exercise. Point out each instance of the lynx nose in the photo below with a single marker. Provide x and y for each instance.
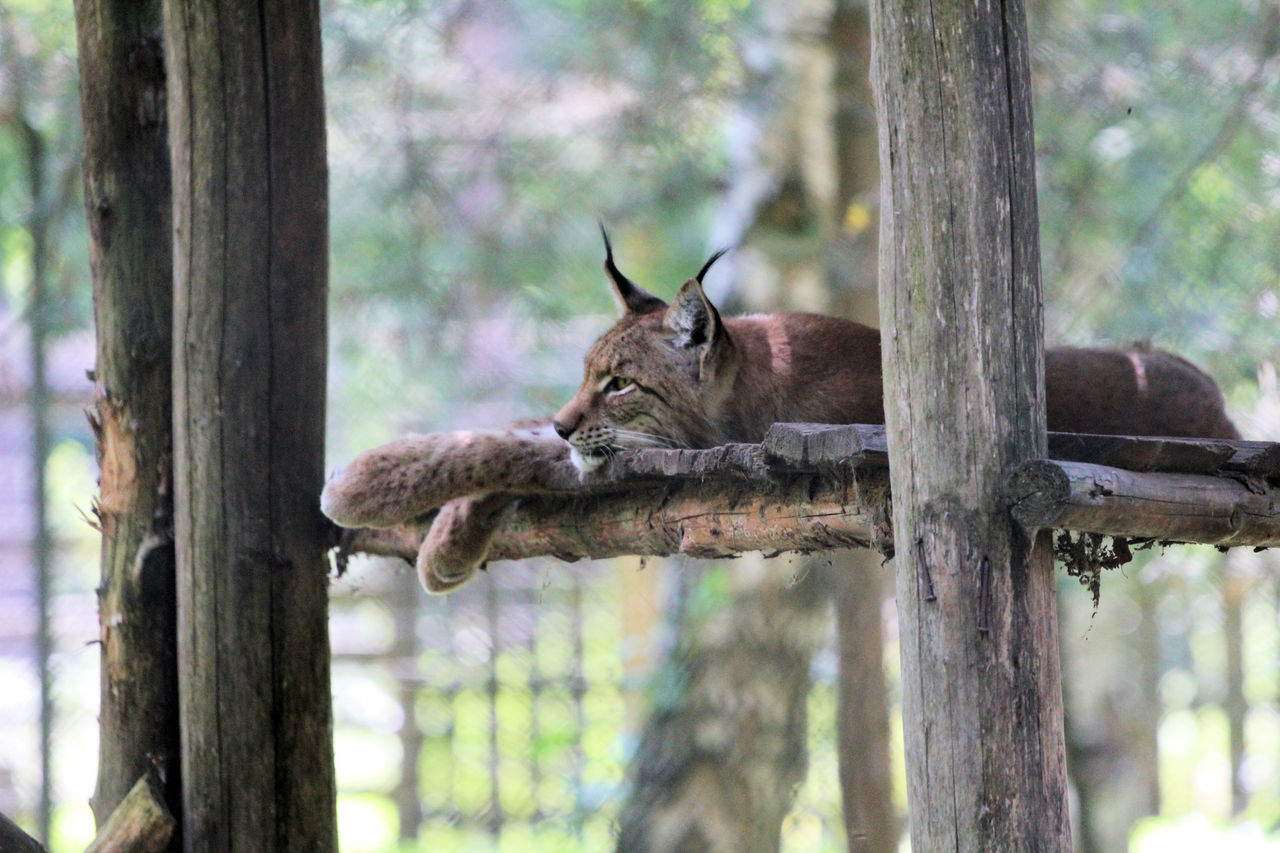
(563, 430)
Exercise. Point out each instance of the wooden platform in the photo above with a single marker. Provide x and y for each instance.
(810, 487)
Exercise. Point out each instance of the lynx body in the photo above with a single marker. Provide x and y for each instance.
(679, 376)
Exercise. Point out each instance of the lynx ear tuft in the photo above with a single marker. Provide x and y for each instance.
(692, 316)
(631, 297)
(715, 256)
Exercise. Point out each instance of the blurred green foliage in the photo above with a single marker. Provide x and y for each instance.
(40, 134)
(1159, 179)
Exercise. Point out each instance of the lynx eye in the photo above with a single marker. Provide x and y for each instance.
(614, 384)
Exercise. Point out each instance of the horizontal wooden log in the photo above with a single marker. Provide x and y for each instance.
(712, 517)
(702, 520)
(1167, 507)
(810, 487)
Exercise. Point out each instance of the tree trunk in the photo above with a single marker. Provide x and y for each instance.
(1145, 740)
(1111, 679)
(1234, 587)
(127, 202)
(851, 268)
(721, 757)
(37, 226)
(964, 373)
(406, 605)
(777, 214)
(862, 723)
(246, 119)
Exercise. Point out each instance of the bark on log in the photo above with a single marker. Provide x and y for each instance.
(810, 487)
(1090, 498)
(699, 515)
(127, 205)
(246, 125)
(141, 823)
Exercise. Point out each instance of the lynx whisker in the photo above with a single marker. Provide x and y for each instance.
(634, 438)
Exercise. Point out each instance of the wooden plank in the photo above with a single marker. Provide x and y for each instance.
(1256, 459)
(805, 446)
(1192, 456)
(810, 445)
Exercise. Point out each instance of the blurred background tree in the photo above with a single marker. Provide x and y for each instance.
(473, 145)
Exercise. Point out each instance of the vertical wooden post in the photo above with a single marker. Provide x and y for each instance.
(960, 312)
(246, 122)
(127, 204)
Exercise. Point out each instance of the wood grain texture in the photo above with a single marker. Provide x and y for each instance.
(141, 823)
(960, 309)
(127, 206)
(248, 157)
(704, 503)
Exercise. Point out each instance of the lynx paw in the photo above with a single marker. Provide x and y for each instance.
(458, 543)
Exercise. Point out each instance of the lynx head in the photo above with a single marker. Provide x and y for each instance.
(658, 378)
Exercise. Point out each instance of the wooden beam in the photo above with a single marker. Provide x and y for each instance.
(1167, 507)
(127, 196)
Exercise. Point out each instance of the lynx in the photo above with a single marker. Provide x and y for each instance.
(680, 375)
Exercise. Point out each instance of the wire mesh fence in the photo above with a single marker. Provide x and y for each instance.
(502, 717)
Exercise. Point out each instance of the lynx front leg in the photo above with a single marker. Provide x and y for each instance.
(459, 540)
(404, 479)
